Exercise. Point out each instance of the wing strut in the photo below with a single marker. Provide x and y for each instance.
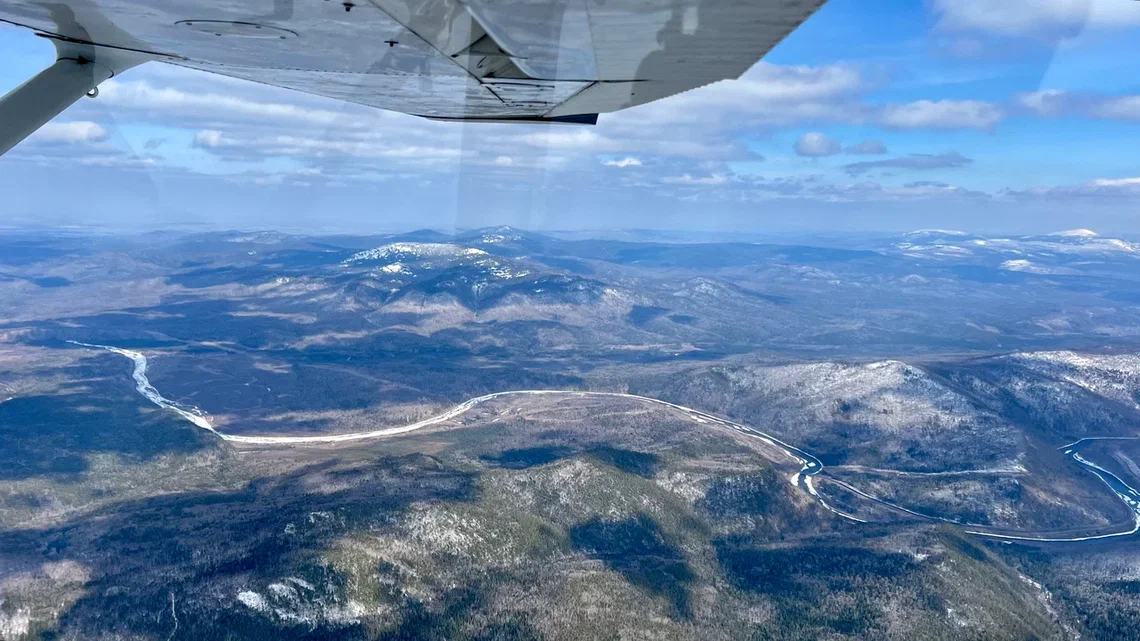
(78, 71)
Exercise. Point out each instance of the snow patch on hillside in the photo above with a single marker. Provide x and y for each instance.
(394, 268)
(416, 250)
(299, 602)
(15, 624)
(252, 600)
(499, 269)
(1022, 265)
(495, 239)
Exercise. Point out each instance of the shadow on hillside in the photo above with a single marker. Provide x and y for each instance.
(201, 549)
(640, 551)
(643, 464)
(97, 411)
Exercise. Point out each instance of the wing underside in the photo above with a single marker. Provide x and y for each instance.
(509, 60)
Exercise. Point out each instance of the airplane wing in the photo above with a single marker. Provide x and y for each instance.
(500, 60)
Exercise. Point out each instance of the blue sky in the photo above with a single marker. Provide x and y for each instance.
(875, 115)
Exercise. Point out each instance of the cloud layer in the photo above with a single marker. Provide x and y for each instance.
(945, 113)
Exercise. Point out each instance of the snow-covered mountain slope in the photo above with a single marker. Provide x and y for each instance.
(1115, 377)
(891, 395)
(415, 251)
(420, 259)
(1059, 247)
(435, 275)
(1061, 395)
(879, 413)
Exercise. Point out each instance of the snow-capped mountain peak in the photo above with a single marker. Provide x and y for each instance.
(936, 232)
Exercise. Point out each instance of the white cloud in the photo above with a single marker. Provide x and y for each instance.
(1036, 17)
(942, 114)
(689, 179)
(685, 142)
(1054, 103)
(1048, 102)
(867, 147)
(1119, 108)
(79, 142)
(815, 144)
(375, 145)
(1096, 190)
(118, 162)
(208, 138)
(948, 160)
(78, 131)
(617, 138)
(239, 121)
(792, 84)
(740, 189)
(767, 93)
(170, 103)
(569, 138)
(628, 161)
(1116, 182)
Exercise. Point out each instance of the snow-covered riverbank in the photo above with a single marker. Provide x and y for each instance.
(142, 384)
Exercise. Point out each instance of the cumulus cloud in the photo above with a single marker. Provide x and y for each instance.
(948, 160)
(1046, 103)
(685, 144)
(567, 138)
(363, 146)
(79, 143)
(689, 179)
(814, 144)
(208, 138)
(1036, 17)
(1131, 183)
(1119, 108)
(628, 161)
(1054, 103)
(170, 103)
(792, 84)
(1100, 189)
(942, 114)
(737, 189)
(118, 161)
(79, 131)
(766, 94)
(867, 148)
(238, 121)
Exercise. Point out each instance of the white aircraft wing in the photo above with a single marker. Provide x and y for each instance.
(525, 60)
